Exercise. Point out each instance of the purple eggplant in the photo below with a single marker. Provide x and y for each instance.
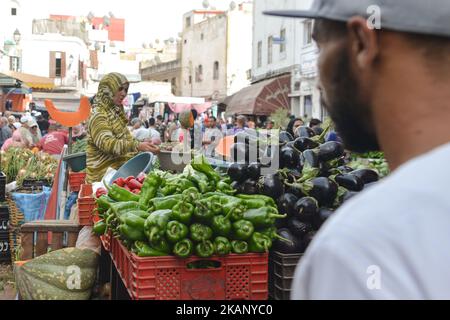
(250, 186)
(271, 186)
(237, 172)
(254, 170)
(306, 209)
(324, 215)
(305, 132)
(350, 182)
(236, 186)
(310, 158)
(299, 229)
(289, 158)
(330, 151)
(292, 246)
(348, 195)
(303, 143)
(344, 169)
(323, 190)
(309, 238)
(366, 175)
(285, 137)
(286, 204)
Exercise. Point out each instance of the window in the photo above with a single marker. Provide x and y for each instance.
(308, 26)
(308, 107)
(58, 67)
(269, 50)
(199, 74)
(216, 71)
(202, 36)
(283, 40)
(188, 22)
(57, 64)
(14, 11)
(185, 41)
(14, 64)
(190, 79)
(259, 54)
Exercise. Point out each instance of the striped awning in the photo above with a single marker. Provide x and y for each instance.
(32, 81)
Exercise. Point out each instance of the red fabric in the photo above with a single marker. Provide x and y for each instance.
(53, 143)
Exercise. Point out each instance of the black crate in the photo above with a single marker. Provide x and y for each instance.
(281, 274)
(5, 251)
(2, 186)
(281, 294)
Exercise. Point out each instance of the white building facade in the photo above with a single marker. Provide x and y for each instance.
(284, 45)
(216, 52)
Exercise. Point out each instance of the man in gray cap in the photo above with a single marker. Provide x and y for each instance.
(387, 88)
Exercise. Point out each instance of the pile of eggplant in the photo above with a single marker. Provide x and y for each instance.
(312, 182)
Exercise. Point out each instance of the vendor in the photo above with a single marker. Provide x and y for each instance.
(110, 143)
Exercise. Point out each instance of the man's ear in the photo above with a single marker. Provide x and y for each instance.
(363, 42)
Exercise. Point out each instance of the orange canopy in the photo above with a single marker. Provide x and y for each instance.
(70, 119)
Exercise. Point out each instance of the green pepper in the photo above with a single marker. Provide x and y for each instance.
(134, 221)
(176, 231)
(200, 232)
(224, 187)
(191, 195)
(201, 181)
(144, 250)
(130, 233)
(242, 230)
(183, 212)
(120, 208)
(183, 249)
(149, 188)
(222, 246)
(120, 194)
(203, 212)
(239, 246)
(184, 184)
(200, 164)
(161, 245)
(221, 225)
(254, 203)
(263, 217)
(169, 189)
(232, 207)
(104, 203)
(268, 200)
(164, 203)
(156, 224)
(140, 213)
(99, 227)
(204, 249)
(259, 243)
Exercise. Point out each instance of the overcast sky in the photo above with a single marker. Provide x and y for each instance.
(146, 20)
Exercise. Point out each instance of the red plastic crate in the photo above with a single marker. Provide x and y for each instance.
(76, 179)
(239, 277)
(86, 205)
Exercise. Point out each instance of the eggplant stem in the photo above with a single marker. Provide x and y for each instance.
(277, 216)
(277, 236)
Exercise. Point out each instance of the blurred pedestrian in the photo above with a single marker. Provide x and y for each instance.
(5, 131)
(293, 125)
(138, 131)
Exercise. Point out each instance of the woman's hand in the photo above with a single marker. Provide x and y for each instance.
(148, 147)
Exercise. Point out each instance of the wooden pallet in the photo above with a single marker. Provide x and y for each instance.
(38, 237)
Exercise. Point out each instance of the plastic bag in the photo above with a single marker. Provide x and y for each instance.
(88, 240)
(107, 177)
(33, 206)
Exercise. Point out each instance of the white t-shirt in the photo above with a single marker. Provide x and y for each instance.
(154, 134)
(141, 134)
(390, 242)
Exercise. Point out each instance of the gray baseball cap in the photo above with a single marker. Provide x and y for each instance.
(411, 16)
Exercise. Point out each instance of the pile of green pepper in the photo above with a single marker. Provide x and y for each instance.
(193, 213)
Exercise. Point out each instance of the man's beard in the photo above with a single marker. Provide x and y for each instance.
(351, 115)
